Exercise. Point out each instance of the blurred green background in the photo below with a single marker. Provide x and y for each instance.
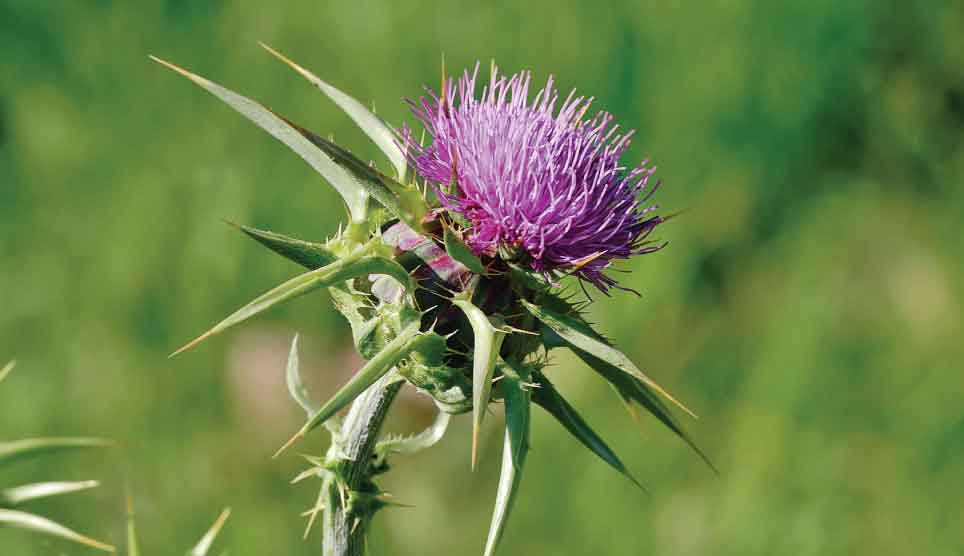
(809, 306)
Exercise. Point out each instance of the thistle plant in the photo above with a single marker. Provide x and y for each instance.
(451, 271)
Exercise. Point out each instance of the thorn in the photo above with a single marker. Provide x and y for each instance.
(475, 443)
(508, 329)
(219, 523)
(314, 460)
(304, 73)
(429, 310)
(392, 503)
(7, 369)
(233, 224)
(312, 515)
(313, 471)
(192, 343)
(670, 397)
(298, 436)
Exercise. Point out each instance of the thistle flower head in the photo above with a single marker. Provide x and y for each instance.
(535, 183)
(537, 179)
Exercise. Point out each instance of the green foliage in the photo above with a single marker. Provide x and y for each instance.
(579, 335)
(44, 526)
(308, 254)
(376, 128)
(11, 497)
(546, 396)
(363, 261)
(291, 135)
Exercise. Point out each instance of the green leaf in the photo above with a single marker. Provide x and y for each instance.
(355, 197)
(380, 132)
(29, 447)
(458, 250)
(361, 263)
(307, 254)
(15, 496)
(383, 362)
(514, 450)
(7, 369)
(204, 546)
(415, 443)
(629, 388)
(579, 334)
(293, 378)
(42, 525)
(547, 397)
(488, 337)
(531, 279)
(405, 203)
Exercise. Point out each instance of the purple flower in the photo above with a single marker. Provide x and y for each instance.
(532, 179)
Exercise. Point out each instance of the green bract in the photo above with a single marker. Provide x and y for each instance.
(424, 310)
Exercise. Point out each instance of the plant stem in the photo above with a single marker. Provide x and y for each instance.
(345, 527)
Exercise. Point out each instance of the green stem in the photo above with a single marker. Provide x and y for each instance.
(345, 527)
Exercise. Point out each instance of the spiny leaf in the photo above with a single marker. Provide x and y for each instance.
(358, 264)
(578, 334)
(488, 337)
(457, 249)
(412, 444)
(38, 524)
(28, 447)
(630, 388)
(531, 279)
(15, 496)
(552, 401)
(7, 369)
(405, 203)
(293, 378)
(307, 254)
(514, 450)
(202, 547)
(355, 197)
(380, 132)
(393, 352)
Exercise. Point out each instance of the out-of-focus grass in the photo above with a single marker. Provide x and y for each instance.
(809, 305)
